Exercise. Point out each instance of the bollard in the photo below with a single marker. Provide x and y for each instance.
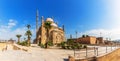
(86, 52)
(106, 49)
(95, 51)
(111, 47)
(74, 52)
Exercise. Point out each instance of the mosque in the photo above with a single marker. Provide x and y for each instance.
(56, 33)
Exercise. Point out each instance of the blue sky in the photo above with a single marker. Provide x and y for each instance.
(85, 16)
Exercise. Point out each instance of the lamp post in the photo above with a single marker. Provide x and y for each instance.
(76, 34)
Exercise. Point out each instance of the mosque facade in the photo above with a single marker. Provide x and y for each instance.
(56, 33)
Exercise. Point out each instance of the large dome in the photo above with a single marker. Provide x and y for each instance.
(54, 25)
(49, 19)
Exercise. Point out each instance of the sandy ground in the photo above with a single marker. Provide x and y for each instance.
(39, 54)
(34, 54)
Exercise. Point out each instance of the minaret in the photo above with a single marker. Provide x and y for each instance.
(63, 27)
(42, 21)
(37, 18)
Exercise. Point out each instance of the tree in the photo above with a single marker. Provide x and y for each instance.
(28, 34)
(18, 36)
(47, 27)
(83, 36)
(28, 26)
(70, 42)
(87, 35)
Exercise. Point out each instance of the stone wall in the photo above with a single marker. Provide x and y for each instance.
(87, 40)
(2, 45)
(17, 47)
(113, 56)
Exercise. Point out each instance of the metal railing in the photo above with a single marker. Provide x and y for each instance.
(94, 51)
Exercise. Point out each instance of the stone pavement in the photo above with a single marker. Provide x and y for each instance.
(34, 54)
(37, 54)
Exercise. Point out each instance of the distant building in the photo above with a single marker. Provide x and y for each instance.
(90, 40)
(100, 40)
(87, 40)
(11, 41)
(108, 42)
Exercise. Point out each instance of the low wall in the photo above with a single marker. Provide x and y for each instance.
(17, 47)
(2, 45)
(113, 56)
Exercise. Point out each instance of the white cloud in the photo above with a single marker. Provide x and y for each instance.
(111, 21)
(106, 33)
(12, 23)
(11, 33)
(112, 17)
(7, 32)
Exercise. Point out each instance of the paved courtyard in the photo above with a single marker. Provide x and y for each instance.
(34, 54)
(38, 54)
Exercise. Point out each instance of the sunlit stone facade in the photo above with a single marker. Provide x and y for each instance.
(56, 34)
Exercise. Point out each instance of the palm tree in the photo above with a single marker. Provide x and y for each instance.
(18, 36)
(28, 34)
(47, 27)
(28, 26)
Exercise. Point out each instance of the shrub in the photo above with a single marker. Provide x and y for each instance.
(85, 46)
(72, 45)
(42, 46)
(18, 43)
(68, 47)
(23, 43)
(63, 45)
(59, 45)
(39, 44)
(80, 46)
(49, 43)
(70, 42)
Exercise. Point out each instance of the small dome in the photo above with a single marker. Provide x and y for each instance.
(53, 24)
(49, 19)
